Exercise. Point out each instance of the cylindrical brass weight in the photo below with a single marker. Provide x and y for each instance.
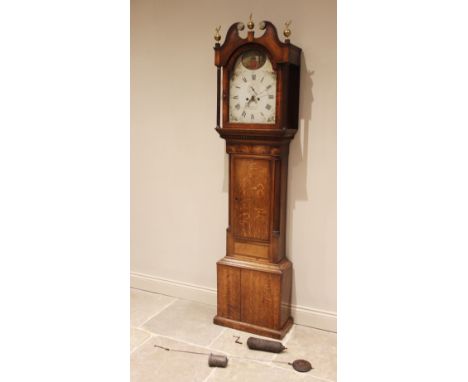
(265, 345)
(215, 360)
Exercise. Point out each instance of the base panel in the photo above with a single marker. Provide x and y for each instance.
(254, 297)
(255, 329)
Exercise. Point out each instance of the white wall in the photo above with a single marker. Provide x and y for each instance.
(178, 162)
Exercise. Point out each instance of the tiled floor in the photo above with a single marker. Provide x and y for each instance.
(180, 324)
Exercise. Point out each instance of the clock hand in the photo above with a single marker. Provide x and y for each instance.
(253, 90)
(264, 90)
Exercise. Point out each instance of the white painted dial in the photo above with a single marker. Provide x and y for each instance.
(252, 90)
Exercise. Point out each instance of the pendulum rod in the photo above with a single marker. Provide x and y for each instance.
(181, 351)
(293, 364)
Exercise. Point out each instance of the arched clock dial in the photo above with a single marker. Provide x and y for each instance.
(252, 89)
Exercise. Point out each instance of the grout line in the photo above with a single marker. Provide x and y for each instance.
(159, 311)
(156, 335)
(138, 346)
(324, 379)
(157, 293)
(219, 335)
(183, 341)
(146, 331)
(313, 327)
(170, 295)
(291, 369)
(319, 378)
(209, 375)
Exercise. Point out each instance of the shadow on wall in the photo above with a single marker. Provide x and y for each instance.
(298, 157)
(299, 147)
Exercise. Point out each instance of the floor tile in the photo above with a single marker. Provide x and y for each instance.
(251, 371)
(226, 342)
(137, 337)
(149, 364)
(316, 346)
(186, 321)
(143, 305)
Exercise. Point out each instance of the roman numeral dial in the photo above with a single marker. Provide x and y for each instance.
(252, 89)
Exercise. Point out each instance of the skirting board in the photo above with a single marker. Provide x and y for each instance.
(303, 315)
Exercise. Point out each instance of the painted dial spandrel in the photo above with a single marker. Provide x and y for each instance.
(252, 89)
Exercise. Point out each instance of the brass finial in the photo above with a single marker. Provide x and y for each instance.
(287, 31)
(250, 24)
(217, 36)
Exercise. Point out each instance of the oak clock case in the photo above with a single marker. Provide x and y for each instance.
(258, 82)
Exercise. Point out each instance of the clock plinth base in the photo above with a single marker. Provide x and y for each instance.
(259, 330)
(255, 297)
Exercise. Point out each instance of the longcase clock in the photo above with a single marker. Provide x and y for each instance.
(258, 104)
